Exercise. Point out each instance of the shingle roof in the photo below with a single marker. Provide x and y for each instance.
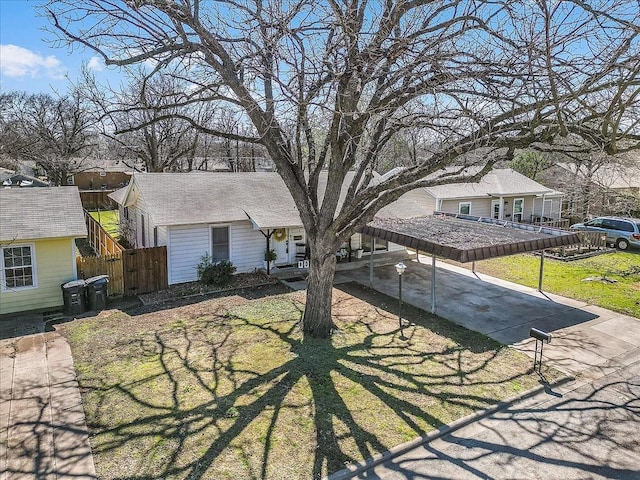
(208, 197)
(192, 198)
(467, 239)
(498, 182)
(46, 212)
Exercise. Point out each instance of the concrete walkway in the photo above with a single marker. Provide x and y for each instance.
(43, 434)
(587, 341)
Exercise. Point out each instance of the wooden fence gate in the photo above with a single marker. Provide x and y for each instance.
(131, 272)
(145, 270)
(106, 265)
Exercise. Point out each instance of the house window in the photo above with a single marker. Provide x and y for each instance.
(495, 209)
(464, 208)
(369, 243)
(518, 208)
(219, 243)
(18, 267)
(547, 209)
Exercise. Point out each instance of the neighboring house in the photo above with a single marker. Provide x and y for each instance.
(502, 194)
(38, 229)
(11, 179)
(104, 175)
(227, 216)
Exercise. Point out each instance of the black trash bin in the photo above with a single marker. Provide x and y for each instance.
(97, 292)
(73, 294)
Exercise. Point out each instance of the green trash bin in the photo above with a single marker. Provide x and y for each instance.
(97, 292)
(73, 295)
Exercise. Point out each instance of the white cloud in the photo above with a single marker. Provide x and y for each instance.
(17, 61)
(96, 64)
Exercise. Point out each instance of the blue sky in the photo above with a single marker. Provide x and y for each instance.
(27, 61)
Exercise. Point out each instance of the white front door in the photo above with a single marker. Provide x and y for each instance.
(280, 245)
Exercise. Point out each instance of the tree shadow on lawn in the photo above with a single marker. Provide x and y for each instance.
(326, 403)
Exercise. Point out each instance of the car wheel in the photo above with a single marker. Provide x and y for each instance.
(622, 243)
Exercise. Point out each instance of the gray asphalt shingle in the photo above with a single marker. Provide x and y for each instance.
(209, 197)
(46, 212)
(498, 182)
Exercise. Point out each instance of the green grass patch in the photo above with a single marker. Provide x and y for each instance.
(109, 219)
(568, 279)
(228, 388)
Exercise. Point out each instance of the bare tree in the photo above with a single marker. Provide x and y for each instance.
(326, 86)
(57, 133)
(145, 119)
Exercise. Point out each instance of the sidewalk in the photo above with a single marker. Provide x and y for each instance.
(43, 433)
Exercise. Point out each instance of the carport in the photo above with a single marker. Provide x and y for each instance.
(465, 238)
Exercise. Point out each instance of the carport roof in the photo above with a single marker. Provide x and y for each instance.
(465, 238)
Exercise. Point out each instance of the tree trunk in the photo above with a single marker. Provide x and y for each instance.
(317, 321)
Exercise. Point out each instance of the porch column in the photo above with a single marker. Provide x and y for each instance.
(542, 212)
(433, 283)
(501, 216)
(267, 236)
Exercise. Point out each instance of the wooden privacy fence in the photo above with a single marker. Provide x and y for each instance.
(106, 265)
(101, 242)
(131, 272)
(94, 200)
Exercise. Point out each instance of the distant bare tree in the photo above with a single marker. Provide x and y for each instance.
(57, 133)
(144, 119)
(327, 85)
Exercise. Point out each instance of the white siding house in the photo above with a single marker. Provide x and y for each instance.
(226, 216)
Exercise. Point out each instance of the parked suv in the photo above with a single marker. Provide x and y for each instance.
(621, 232)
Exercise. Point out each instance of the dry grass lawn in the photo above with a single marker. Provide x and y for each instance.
(227, 388)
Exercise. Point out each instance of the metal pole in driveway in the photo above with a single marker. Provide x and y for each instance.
(433, 283)
(540, 275)
(371, 268)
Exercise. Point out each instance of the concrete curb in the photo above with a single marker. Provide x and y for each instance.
(357, 468)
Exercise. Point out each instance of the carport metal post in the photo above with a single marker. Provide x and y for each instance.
(433, 283)
(371, 265)
(541, 273)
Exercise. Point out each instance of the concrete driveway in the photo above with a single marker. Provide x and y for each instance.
(586, 429)
(585, 337)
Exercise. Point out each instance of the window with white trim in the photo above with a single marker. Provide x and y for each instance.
(219, 243)
(464, 208)
(18, 267)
